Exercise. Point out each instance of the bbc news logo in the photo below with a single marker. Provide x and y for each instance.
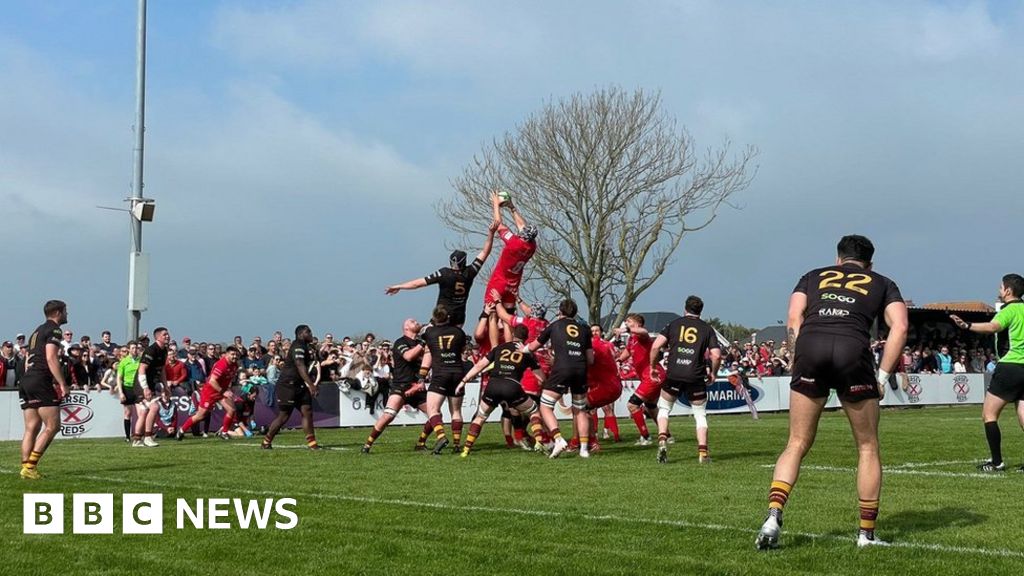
(144, 514)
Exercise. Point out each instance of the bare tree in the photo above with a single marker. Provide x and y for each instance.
(612, 183)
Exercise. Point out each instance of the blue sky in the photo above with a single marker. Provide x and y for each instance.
(296, 149)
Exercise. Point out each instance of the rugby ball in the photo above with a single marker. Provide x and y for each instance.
(505, 197)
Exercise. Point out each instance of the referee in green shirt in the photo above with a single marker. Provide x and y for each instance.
(1007, 383)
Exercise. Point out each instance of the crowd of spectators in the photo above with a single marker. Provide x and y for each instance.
(92, 365)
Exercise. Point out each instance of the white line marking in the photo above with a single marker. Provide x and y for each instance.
(905, 472)
(336, 448)
(926, 464)
(1001, 552)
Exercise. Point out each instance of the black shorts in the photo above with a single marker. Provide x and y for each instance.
(1008, 381)
(415, 400)
(692, 390)
(823, 362)
(502, 390)
(293, 396)
(457, 316)
(574, 382)
(446, 383)
(37, 392)
(130, 398)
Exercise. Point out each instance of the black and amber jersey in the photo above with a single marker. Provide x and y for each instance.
(453, 286)
(570, 341)
(155, 358)
(510, 362)
(845, 300)
(689, 339)
(300, 352)
(405, 372)
(47, 333)
(445, 344)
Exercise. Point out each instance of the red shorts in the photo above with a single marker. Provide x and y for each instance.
(209, 396)
(607, 393)
(649, 390)
(530, 384)
(509, 293)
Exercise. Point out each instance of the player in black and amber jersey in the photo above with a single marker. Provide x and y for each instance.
(150, 378)
(572, 352)
(510, 362)
(831, 312)
(693, 358)
(407, 386)
(443, 358)
(42, 388)
(454, 282)
(296, 388)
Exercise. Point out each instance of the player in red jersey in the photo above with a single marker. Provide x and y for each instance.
(217, 389)
(603, 384)
(519, 248)
(611, 424)
(637, 353)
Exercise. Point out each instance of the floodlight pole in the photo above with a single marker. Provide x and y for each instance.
(134, 315)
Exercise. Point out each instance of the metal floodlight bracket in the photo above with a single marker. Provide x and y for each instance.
(142, 209)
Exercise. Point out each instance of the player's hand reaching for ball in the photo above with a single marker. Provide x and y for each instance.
(392, 290)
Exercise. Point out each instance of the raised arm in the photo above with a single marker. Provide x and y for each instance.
(496, 209)
(489, 244)
(410, 285)
(520, 222)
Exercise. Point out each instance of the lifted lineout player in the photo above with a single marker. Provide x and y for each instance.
(217, 389)
(443, 358)
(295, 388)
(519, 248)
(42, 388)
(830, 315)
(407, 387)
(572, 351)
(510, 361)
(692, 342)
(455, 282)
(1008, 378)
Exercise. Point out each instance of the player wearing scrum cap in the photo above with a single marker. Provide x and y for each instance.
(519, 248)
(453, 282)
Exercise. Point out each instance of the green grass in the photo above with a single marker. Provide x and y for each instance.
(509, 512)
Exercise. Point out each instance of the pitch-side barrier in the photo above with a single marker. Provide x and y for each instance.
(99, 414)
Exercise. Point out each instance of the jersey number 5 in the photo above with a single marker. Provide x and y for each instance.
(688, 335)
(460, 288)
(831, 279)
